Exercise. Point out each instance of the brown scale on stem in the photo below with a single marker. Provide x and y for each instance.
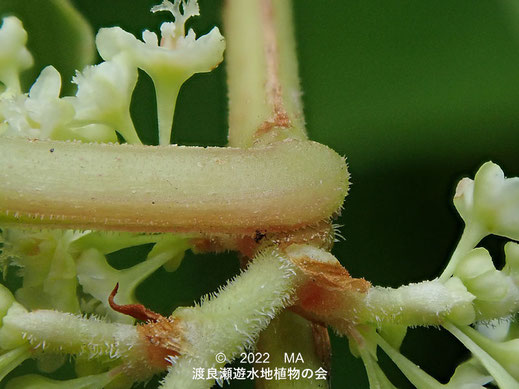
(328, 293)
(163, 337)
(274, 91)
(320, 235)
(137, 311)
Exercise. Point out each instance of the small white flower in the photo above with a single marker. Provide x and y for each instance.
(171, 63)
(497, 294)
(104, 96)
(490, 202)
(14, 56)
(40, 114)
(44, 105)
(469, 375)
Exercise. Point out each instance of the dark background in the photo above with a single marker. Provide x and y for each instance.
(415, 94)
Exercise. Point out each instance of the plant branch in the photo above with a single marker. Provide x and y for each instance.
(469, 239)
(264, 92)
(502, 377)
(156, 189)
(230, 320)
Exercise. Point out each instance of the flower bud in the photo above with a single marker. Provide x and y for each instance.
(14, 56)
(496, 293)
(104, 95)
(490, 202)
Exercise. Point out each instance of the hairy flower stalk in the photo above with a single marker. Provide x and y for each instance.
(67, 333)
(330, 295)
(228, 321)
(424, 303)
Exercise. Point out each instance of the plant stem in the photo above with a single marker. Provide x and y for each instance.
(416, 376)
(264, 93)
(229, 322)
(502, 377)
(424, 303)
(166, 101)
(67, 333)
(156, 189)
(12, 359)
(469, 239)
(265, 106)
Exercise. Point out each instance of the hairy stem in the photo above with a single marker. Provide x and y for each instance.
(264, 93)
(265, 105)
(229, 322)
(67, 333)
(156, 189)
(425, 303)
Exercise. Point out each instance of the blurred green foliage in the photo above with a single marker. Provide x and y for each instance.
(415, 94)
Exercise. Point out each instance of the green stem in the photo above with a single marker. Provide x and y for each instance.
(417, 376)
(265, 106)
(502, 377)
(230, 321)
(67, 333)
(12, 359)
(264, 92)
(469, 239)
(424, 303)
(167, 94)
(376, 377)
(173, 188)
(126, 128)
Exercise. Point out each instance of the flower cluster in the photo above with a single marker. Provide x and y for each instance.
(101, 106)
